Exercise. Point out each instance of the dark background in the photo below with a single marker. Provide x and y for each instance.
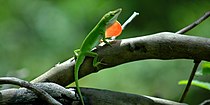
(37, 34)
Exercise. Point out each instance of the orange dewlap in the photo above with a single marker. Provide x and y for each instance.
(113, 30)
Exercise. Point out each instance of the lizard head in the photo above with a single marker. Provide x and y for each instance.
(111, 17)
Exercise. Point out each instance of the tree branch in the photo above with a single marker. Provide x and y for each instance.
(163, 46)
(24, 96)
(196, 61)
(92, 96)
(39, 92)
(190, 80)
(106, 97)
(189, 27)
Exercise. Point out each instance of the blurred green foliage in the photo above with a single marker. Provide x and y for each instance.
(37, 34)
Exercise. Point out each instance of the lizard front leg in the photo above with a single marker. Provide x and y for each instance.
(104, 38)
(76, 52)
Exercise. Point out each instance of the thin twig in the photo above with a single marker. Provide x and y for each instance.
(190, 80)
(197, 62)
(127, 22)
(130, 19)
(39, 92)
(191, 26)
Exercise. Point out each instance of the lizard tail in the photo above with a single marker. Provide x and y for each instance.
(79, 61)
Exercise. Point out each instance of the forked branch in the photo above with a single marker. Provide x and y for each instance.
(163, 46)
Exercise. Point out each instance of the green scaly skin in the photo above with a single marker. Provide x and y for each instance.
(92, 40)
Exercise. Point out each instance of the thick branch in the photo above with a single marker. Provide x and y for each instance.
(106, 97)
(24, 96)
(39, 92)
(163, 46)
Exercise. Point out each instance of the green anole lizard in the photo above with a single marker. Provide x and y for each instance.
(93, 39)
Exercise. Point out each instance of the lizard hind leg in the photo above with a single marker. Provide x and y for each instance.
(96, 62)
(95, 59)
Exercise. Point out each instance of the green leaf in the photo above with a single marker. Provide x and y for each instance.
(206, 68)
(197, 83)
